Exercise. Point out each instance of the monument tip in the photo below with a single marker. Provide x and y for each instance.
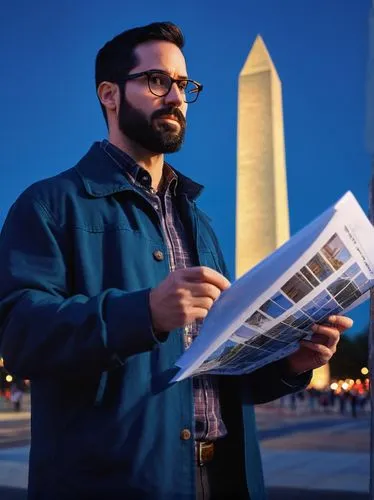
(258, 58)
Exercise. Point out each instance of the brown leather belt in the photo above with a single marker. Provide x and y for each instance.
(204, 452)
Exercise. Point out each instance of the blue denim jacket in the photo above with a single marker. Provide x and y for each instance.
(79, 254)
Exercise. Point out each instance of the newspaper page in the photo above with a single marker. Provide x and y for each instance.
(324, 269)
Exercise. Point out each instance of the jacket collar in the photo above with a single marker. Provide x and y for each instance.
(101, 176)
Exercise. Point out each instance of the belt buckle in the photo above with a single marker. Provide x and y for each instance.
(208, 456)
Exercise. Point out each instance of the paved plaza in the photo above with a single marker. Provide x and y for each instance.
(322, 456)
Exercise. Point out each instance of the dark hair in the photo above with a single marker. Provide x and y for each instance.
(116, 58)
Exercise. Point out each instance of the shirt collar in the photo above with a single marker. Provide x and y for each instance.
(138, 175)
(103, 174)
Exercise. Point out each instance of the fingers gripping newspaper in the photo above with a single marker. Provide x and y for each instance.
(326, 268)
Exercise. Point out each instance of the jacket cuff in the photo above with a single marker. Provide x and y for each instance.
(130, 329)
(291, 379)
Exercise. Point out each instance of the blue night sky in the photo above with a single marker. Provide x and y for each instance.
(320, 49)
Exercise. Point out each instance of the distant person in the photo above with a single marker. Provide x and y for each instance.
(324, 401)
(364, 399)
(313, 396)
(293, 402)
(106, 272)
(332, 398)
(353, 397)
(16, 395)
(343, 396)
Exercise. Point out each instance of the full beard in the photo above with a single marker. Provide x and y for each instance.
(157, 136)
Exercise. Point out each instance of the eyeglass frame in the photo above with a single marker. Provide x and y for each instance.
(150, 72)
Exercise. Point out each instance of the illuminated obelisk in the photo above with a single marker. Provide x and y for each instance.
(262, 222)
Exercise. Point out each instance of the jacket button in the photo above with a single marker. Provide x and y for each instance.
(186, 434)
(158, 255)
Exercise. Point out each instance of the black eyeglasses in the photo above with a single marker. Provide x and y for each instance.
(160, 84)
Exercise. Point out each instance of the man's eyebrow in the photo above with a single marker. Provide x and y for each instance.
(180, 77)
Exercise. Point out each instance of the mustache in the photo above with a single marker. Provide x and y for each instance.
(170, 111)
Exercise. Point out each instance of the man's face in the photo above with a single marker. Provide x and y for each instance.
(155, 123)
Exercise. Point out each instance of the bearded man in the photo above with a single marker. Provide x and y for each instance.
(106, 272)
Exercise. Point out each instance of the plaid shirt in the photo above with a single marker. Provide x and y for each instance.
(208, 419)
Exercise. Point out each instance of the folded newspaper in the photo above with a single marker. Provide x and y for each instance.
(326, 268)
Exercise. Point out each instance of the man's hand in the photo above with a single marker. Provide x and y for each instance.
(185, 296)
(321, 347)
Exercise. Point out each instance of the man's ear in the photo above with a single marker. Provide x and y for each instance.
(108, 95)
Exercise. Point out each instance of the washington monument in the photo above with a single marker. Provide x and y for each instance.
(262, 222)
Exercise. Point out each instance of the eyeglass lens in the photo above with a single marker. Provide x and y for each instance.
(160, 85)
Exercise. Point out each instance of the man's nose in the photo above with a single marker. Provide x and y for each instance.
(175, 96)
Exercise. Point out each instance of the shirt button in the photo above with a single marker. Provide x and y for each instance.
(185, 434)
(158, 255)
